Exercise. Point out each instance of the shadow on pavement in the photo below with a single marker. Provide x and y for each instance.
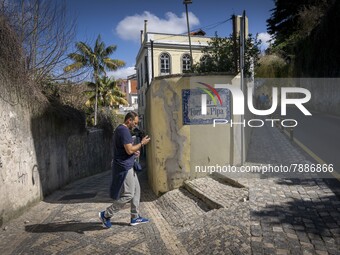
(68, 226)
(332, 183)
(95, 189)
(306, 216)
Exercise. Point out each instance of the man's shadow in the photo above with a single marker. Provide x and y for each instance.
(69, 226)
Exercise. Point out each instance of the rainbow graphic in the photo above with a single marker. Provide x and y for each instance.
(213, 90)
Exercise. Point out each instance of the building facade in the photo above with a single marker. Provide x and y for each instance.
(132, 94)
(129, 87)
(170, 111)
(164, 54)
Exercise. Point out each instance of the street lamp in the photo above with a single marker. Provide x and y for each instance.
(186, 2)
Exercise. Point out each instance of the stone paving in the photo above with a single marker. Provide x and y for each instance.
(267, 215)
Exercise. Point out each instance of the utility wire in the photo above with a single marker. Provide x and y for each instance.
(208, 28)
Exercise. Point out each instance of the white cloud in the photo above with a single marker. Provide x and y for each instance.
(122, 73)
(264, 37)
(129, 28)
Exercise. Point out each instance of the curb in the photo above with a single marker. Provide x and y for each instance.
(310, 153)
(211, 203)
(226, 180)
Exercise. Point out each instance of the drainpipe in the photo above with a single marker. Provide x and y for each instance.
(152, 66)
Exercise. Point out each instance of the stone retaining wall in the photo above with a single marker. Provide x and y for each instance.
(39, 154)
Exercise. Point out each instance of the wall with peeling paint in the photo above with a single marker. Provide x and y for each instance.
(175, 149)
(40, 153)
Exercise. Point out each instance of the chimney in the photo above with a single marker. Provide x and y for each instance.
(141, 37)
(145, 28)
(237, 25)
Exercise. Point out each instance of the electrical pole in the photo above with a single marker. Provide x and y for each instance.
(242, 42)
(186, 2)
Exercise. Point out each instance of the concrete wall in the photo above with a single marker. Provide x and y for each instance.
(175, 149)
(325, 92)
(39, 154)
(325, 95)
(43, 146)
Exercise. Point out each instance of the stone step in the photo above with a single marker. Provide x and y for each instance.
(194, 204)
(204, 215)
(180, 207)
(216, 193)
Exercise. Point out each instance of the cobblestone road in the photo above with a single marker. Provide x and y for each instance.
(269, 215)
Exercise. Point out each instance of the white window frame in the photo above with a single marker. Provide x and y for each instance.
(165, 66)
(186, 63)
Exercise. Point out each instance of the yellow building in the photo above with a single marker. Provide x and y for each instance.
(164, 54)
(180, 144)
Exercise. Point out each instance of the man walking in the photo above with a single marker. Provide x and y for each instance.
(125, 185)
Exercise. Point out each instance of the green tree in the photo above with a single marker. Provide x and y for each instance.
(97, 59)
(109, 98)
(303, 35)
(272, 66)
(219, 55)
(292, 21)
(109, 94)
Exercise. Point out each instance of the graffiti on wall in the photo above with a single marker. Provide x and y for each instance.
(22, 176)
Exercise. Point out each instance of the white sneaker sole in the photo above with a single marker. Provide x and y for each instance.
(137, 223)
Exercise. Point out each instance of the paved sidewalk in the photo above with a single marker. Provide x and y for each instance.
(267, 216)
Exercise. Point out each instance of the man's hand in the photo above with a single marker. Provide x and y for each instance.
(146, 140)
(137, 154)
(131, 149)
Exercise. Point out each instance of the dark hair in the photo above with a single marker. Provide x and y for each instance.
(130, 115)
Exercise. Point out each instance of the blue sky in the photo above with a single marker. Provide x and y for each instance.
(120, 22)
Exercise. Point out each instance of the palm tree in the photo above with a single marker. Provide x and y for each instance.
(109, 94)
(97, 59)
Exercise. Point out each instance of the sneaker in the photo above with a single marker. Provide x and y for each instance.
(138, 220)
(106, 221)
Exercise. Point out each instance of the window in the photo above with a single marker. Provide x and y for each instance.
(165, 63)
(186, 63)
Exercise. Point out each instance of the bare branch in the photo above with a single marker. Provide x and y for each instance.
(45, 34)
